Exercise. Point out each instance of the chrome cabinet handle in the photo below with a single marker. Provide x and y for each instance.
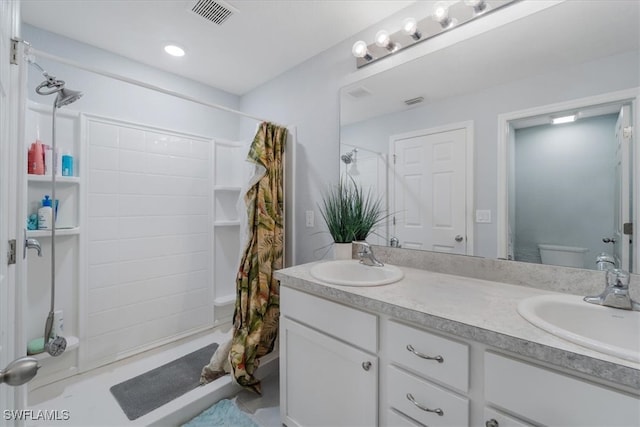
(366, 365)
(438, 359)
(458, 238)
(424, 408)
(609, 239)
(492, 423)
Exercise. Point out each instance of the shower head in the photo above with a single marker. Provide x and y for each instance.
(52, 85)
(349, 157)
(67, 96)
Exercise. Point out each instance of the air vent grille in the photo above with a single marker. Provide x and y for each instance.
(215, 11)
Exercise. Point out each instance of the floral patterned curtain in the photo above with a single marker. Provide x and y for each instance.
(257, 308)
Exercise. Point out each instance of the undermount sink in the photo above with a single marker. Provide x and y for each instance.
(352, 273)
(608, 330)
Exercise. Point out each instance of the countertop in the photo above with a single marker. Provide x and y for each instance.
(480, 310)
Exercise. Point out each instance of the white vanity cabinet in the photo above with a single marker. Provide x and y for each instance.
(328, 363)
(419, 376)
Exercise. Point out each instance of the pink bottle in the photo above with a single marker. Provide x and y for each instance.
(36, 158)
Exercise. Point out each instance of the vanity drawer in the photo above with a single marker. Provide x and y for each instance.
(559, 399)
(347, 324)
(493, 418)
(404, 386)
(408, 347)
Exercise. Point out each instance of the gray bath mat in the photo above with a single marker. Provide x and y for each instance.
(142, 394)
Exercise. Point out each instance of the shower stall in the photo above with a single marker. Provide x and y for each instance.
(147, 233)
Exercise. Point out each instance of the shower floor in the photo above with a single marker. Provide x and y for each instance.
(89, 403)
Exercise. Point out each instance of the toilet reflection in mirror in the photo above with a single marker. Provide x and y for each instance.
(569, 187)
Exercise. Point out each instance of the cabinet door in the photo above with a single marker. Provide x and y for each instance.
(324, 381)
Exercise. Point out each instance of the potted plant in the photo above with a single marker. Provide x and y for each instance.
(350, 214)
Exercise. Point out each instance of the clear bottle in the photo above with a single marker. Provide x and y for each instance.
(45, 214)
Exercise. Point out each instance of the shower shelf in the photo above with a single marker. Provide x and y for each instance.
(72, 344)
(225, 300)
(227, 188)
(59, 179)
(226, 223)
(59, 232)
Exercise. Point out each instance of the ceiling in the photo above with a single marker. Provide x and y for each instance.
(572, 32)
(259, 41)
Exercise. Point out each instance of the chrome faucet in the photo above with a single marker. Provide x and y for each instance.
(32, 244)
(616, 292)
(365, 253)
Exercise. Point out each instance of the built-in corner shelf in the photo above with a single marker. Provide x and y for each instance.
(234, 223)
(229, 188)
(59, 179)
(225, 300)
(59, 232)
(72, 344)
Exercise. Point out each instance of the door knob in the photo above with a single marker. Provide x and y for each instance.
(458, 238)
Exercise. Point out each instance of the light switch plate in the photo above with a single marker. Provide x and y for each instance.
(310, 219)
(483, 216)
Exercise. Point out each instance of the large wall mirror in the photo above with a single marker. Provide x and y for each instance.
(460, 143)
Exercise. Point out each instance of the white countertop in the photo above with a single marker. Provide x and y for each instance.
(479, 310)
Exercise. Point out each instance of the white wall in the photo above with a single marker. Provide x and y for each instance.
(565, 181)
(116, 99)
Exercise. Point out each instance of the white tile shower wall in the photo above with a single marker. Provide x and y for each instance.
(149, 238)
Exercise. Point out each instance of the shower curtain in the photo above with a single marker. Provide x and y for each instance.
(255, 318)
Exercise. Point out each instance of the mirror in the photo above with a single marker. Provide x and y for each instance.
(569, 51)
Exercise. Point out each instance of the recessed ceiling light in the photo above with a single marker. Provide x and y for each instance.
(563, 119)
(174, 50)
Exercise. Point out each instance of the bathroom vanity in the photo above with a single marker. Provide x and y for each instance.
(440, 350)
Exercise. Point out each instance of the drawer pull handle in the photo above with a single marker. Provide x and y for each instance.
(492, 423)
(366, 365)
(435, 411)
(438, 359)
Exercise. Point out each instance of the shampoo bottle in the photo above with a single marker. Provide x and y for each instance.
(45, 214)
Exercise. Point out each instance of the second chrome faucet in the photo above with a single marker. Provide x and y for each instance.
(365, 253)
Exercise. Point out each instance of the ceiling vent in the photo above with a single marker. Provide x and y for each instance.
(359, 92)
(414, 101)
(215, 11)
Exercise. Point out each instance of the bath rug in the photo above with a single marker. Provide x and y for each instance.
(142, 394)
(224, 413)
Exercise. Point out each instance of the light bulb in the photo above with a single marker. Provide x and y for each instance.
(479, 6)
(360, 50)
(410, 28)
(441, 13)
(382, 38)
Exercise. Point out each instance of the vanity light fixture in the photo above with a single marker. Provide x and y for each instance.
(410, 28)
(174, 50)
(563, 119)
(445, 16)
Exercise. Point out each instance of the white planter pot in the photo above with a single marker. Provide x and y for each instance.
(342, 251)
